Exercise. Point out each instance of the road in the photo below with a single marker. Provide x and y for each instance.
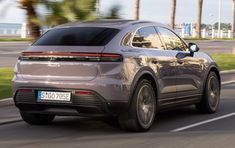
(214, 46)
(194, 130)
(9, 51)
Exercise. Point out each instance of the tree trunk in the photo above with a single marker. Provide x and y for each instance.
(98, 8)
(173, 9)
(199, 19)
(233, 25)
(34, 28)
(137, 9)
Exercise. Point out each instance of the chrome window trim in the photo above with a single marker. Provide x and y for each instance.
(134, 33)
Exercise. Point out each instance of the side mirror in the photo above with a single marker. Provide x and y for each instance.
(193, 47)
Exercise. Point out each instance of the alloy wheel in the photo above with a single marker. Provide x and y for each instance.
(146, 105)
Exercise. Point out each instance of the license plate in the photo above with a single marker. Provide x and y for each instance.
(53, 96)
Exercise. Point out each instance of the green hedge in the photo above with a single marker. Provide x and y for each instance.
(6, 75)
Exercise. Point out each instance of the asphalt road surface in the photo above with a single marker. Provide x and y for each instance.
(210, 46)
(179, 128)
(9, 51)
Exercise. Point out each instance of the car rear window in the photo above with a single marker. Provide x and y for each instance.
(77, 36)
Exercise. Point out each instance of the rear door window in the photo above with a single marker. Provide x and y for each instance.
(77, 36)
(147, 37)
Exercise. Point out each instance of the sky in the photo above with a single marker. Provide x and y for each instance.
(153, 10)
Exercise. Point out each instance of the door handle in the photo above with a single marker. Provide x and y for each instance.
(154, 61)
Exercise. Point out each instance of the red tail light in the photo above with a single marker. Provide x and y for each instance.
(79, 56)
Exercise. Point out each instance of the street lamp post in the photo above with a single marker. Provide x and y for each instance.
(233, 23)
(212, 26)
(219, 23)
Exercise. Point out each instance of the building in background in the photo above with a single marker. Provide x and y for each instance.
(10, 30)
(185, 30)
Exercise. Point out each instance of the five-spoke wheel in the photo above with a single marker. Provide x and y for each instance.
(142, 110)
(211, 97)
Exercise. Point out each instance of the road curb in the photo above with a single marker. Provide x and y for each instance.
(228, 82)
(14, 42)
(6, 99)
(227, 71)
(10, 121)
(7, 102)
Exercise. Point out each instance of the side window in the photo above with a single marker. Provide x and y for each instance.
(147, 37)
(172, 41)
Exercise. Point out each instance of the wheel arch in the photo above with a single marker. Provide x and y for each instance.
(144, 73)
(212, 68)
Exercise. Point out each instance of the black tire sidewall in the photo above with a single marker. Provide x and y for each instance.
(204, 106)
(133, 109)
(206, 95)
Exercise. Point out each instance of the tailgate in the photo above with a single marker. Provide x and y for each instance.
(59, 63)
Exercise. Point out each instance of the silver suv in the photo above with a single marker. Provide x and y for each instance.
(122, 68)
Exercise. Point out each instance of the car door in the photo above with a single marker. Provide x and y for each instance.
(158, 59)
(188, 66)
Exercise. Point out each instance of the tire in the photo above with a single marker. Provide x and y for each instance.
(36, 119)
(211, 96)
(142, 110)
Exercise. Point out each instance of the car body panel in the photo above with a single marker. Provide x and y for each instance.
(179, 76)
(190, 72)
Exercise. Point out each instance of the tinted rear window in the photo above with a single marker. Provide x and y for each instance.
(77, 36)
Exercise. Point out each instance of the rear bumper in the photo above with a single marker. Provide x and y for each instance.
(108, 99)
(84, 105)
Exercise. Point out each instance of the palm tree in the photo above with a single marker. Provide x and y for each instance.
(114, 13)
(29, 6)
(233, 19)
(199, 19)
(173, 10)
(64, 11)
(137, 9)
(98, 8)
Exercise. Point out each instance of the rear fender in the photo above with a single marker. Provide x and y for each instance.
(141, 73)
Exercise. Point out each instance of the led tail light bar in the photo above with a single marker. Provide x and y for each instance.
(71, 56)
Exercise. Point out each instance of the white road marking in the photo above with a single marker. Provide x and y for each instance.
(227, 71)
(202, 122)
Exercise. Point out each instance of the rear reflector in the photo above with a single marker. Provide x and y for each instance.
(71, 56)
(83, 93)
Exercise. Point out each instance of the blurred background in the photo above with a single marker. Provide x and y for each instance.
(190, 19)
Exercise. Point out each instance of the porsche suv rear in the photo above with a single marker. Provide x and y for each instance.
(127, 69)
(67, 72)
